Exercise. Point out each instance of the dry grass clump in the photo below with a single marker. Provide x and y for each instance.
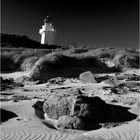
(13, 59)
(126, 59)
(28, 63)
(70, 64)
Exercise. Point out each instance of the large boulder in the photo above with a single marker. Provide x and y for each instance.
(60, 103)
(75, 110)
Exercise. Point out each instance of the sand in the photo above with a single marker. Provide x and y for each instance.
(15, 75)
(27, 126)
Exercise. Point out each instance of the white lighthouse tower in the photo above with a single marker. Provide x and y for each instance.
(47, 32)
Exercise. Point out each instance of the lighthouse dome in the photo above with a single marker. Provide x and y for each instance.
(47, 19)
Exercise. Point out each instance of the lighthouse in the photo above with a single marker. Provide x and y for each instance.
(47, 32)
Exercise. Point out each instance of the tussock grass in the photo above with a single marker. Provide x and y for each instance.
(45, 63)
(67, 65)
(20, 59)
(70, 64)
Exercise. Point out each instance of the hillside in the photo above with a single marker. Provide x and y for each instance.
(13, 40)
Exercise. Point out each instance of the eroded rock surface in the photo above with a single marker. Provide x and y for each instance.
(91, 108)
(60, 104)
(75, 110)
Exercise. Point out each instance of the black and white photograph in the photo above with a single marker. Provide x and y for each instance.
(69, 70)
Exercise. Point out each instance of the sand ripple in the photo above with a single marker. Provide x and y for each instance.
(126, 132)
(33, 134)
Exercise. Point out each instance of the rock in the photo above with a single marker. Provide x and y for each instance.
(70, 122)
(77, 106)
(8, 84)
(6, 81)
(133, 77)
(121, 77)
(72, 109)
(87, 77)
(128, 77)
(75, 122)
(127, 86)
(112, 81)
(59, 104)
(91, 108)
(99, 78)
(123, 88)
(86, 114)
(22, 80)
(58, 80)
(38, 106)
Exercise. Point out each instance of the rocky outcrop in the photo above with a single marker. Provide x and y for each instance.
(75, 110)
(74, 104)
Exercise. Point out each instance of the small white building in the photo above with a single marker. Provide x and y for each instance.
(47, 32)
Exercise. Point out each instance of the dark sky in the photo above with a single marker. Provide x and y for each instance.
(101, 23)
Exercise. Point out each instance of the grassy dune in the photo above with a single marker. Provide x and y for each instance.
(67, 64)
(63, 61)
(20, 58)
(100, 60)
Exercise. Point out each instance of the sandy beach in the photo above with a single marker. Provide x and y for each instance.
(27, 125)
